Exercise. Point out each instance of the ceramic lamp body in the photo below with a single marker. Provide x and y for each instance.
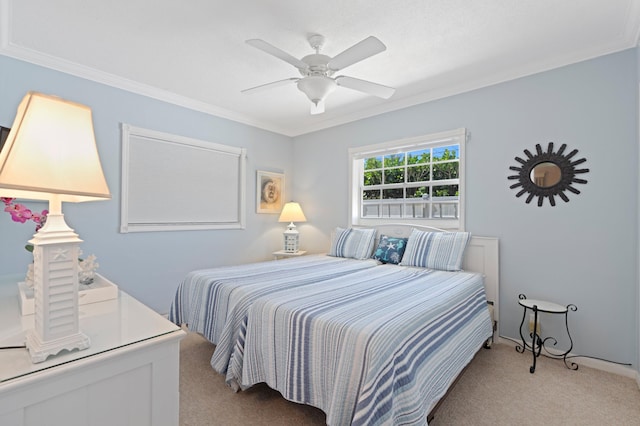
(291, 239)
(55, 276)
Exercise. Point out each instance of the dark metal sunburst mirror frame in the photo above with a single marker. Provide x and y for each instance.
(567, 168)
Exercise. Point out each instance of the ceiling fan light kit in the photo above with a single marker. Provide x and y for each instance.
(317, 70)
(317, 87)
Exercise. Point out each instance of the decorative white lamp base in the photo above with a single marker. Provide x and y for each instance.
(55, 277)
(39, 350)
(291, 238)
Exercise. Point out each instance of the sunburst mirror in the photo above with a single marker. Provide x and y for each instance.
(547, 174)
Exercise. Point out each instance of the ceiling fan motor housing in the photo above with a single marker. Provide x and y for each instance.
(317, 65)
(316, 83)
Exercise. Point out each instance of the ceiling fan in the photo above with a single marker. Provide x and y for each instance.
(317, 70)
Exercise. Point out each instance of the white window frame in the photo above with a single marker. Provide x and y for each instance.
(156, 188)
(356, 155)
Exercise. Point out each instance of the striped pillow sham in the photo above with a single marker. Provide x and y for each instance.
(436, 250)
(352, 243)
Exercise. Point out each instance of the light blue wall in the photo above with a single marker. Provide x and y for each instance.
(150, 265)
(583, 252)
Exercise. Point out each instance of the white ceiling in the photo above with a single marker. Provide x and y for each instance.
(192, 52)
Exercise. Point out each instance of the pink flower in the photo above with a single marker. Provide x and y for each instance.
(20, 213)
(39, 218)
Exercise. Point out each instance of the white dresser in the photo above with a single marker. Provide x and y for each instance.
(129, 375)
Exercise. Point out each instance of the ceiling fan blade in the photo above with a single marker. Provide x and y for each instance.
(364, 86)
(278, 53)
(270, 85)
(317, 108)
(368, 47)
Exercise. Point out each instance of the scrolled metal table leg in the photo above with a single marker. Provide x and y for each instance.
(524, 315)
(573, 365)
(535, 339)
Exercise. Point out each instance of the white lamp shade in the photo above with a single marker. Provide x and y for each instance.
(51, 153)
(292, 212)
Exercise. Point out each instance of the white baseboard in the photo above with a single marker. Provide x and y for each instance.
(609, 367)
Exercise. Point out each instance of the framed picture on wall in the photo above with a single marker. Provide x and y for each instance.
(269, 192)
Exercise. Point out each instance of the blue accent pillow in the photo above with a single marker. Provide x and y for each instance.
(436, 250)
(390, 249)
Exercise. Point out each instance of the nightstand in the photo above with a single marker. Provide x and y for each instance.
(281, 253)
(537, 342)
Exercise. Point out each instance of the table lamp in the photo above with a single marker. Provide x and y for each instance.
(291, 212)
(50, 154)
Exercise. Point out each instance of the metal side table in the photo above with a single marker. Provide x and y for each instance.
(537, 342)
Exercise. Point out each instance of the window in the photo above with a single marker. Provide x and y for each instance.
(209, 180)
(416, 179)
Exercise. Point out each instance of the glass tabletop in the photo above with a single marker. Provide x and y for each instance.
(543, 306)
(110, 325)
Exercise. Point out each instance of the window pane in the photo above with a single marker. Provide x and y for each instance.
(418, 173)
(370, 210)
(451, 152)
(372, 178)
(371, 194)
(394, 160)
(419, 192)
(373, 163)
(392, 194)
(422, 156)
(446, 170)
(394, 175)
(445, 211)
(419, 210)
(445, 191)
(392, 210)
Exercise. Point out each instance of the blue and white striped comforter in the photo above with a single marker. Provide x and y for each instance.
(376, 347)
(213, 302)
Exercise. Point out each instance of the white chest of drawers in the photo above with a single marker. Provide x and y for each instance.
(129, 375)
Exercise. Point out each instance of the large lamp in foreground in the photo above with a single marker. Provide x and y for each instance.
(50, 154)
(291, 212)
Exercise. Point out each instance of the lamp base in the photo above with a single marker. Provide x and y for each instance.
(55, 290)
(40, 350)
(291, 238)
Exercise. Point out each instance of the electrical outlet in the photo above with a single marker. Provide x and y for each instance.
(531, 324)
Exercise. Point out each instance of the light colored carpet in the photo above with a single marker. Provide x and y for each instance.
(496, 389)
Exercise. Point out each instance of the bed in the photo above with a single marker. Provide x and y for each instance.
(367, 342)
(214, 302)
